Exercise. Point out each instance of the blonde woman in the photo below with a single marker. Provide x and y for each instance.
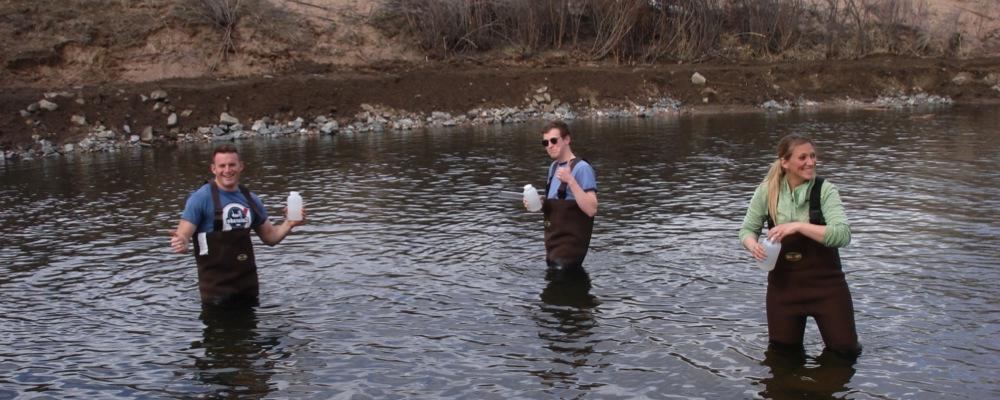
(804, 214)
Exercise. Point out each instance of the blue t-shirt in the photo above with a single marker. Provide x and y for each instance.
(584, 174)
(236, 213)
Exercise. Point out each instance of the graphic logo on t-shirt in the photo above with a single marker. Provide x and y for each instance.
(236, 216)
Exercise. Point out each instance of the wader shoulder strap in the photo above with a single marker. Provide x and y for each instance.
(217, 222)
(253, 204)
(815, 208)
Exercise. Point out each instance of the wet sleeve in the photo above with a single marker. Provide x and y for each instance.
(838, 231)
(753, 222)
(586, 177)
(263, 211)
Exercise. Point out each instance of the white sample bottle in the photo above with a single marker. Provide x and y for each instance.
(532, 198)
(772, 250)
(294, 206)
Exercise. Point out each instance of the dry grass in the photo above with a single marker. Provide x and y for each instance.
(660, 30)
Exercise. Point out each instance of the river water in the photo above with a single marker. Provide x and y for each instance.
(414, 279)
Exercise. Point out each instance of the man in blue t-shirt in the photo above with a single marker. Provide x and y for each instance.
(221, 214)
(570, 204)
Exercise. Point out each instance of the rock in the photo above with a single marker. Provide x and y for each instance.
(147, 134)
(992, 79)
(186, 113)
(133, 139)
(158, 95)
(996, 87)
(227, 119)
(329, 127)
(106, 135)
(542, 89)
(217, 131)
(80, 101)
(698, 79)
(68, 148)
(78, 120)
(320, 120)
(32, 107)
(25, 113)
(172, 120)
(709, 92)
(962, 78)
(47, 105)
(86, 144)
(156, 107)
(539, 98)
(772, 105)
(126, 128)
(143, 98)
(258, 125)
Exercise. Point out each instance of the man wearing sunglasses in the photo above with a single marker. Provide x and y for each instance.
(570, 205)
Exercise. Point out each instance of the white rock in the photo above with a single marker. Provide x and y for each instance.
(78, 120)
(227, 119)
(147, 134)
(329, 127)
(47, 105)
(172, 119)
(698, 79)
(962, 78)
(158, 94)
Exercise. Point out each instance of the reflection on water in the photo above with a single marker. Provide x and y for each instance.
(794, 375)
(413, 280)
(235, 356)
(566, 326)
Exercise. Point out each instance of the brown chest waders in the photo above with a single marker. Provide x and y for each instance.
(808, 281)
(567, 233)
(227, 275)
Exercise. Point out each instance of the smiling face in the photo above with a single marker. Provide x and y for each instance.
(558, 149)
(800, 165)
(227, 168)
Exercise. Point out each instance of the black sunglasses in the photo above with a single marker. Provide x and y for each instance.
(545, 143)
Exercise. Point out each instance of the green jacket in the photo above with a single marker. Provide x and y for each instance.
(793, 206)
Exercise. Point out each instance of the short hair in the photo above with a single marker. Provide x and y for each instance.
(558, 125)
(226, 148)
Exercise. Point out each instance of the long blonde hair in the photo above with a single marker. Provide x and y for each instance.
(775, 175)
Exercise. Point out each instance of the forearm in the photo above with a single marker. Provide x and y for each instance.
(274, 234)
(587, 201)
(180, 237)
(814, 232)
